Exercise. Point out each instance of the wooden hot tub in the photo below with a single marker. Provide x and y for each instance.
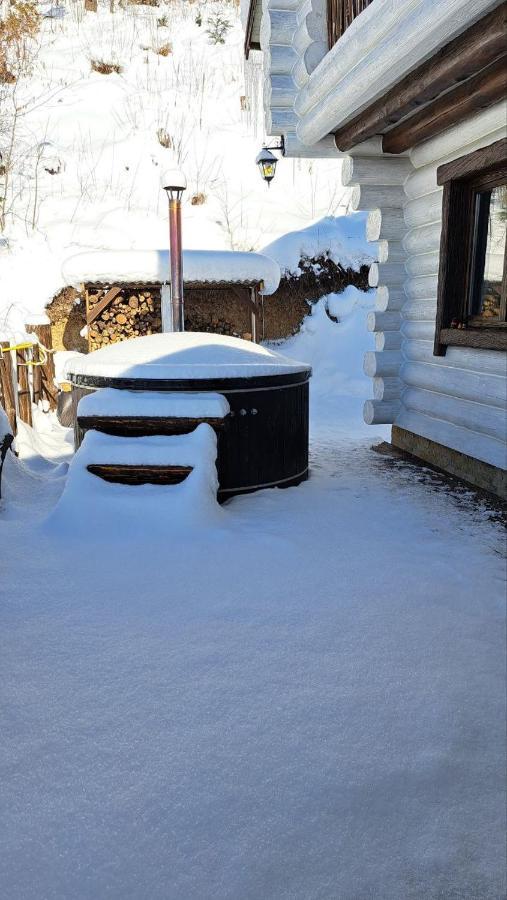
(264, 439)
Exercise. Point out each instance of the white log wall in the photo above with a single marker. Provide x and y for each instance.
(458, 399)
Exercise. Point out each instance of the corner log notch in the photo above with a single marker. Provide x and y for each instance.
(467, 71)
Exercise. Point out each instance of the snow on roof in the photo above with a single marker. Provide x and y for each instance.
(153, 404)
(153, 266)
(342, 238)
(182, 355)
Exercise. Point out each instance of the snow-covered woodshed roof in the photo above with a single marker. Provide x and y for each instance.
(153, 267)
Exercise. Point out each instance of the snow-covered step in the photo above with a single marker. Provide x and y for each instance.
(153, 459)
(135, 506)
(130, 413)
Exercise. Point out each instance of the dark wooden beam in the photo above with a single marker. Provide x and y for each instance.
(479, 161)
(478, 92)
(249, 44)
(476, 48)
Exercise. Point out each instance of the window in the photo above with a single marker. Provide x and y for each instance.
(472, 284)
(341, 14)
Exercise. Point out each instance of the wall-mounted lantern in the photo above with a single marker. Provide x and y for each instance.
(266, 161)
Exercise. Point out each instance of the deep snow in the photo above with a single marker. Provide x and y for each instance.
(304, 701)
(101, 136)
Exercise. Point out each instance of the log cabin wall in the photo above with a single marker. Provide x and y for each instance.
(458, 400)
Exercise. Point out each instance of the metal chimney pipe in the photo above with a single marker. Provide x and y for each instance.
(174, 183)
(177, 302)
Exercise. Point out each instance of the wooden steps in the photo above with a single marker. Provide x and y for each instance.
(140, 474)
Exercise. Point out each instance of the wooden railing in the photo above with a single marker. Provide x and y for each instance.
(341, 14)
(27, 375)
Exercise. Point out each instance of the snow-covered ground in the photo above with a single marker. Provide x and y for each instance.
(89, 148)
(305, 700)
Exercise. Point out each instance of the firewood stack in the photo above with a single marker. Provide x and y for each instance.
(132, 313)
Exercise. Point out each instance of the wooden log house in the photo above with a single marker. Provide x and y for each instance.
(412, 96)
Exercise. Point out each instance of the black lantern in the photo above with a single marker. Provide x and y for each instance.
(266, 160)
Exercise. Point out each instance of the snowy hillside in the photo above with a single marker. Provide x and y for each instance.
(88, 147)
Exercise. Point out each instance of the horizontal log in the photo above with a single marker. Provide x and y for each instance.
(420, 310)
(390, 251)
(423, 239)
(280, 91)
(280, 60)
(389, 298)
(462, 383)
(387, 273)
(421, 182)
(424, 210)
(324, 149)
(381, 412)
(423, 264)
(478, 446)
(468, 53)
(367, 197)
(381, 364)
(466, 413)
(387, 388)
(417, 330)
(388, 340)
(421, 287)
(383, 321)
(311, 29)
(461, 102)
(382, 171)
(385, 224)
(456, 141)
(484, 362)
(280, 121)
(281, 26)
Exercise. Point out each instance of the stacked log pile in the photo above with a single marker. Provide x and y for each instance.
(132, 313)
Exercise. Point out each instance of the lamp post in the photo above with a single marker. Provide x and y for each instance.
(174, 183)
(266, 161)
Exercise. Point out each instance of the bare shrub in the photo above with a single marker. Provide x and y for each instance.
(164, 49)
(17, 32)
(164, 139)
(198, 199)
(105, 68)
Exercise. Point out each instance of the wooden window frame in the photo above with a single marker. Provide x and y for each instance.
(462, 179)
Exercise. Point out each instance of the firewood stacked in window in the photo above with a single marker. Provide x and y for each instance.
(134, 312)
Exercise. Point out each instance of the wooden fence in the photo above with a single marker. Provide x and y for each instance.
(27, 373)
(341, 14)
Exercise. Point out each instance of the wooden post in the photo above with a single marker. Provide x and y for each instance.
(7, 386)
(24, 396)
(253, 314)
(36, 375)
(48, 389)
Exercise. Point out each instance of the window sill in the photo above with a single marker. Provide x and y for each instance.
(493, 338)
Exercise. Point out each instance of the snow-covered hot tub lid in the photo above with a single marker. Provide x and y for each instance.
(182, 357)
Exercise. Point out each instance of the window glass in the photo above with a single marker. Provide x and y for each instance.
(490, 234)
